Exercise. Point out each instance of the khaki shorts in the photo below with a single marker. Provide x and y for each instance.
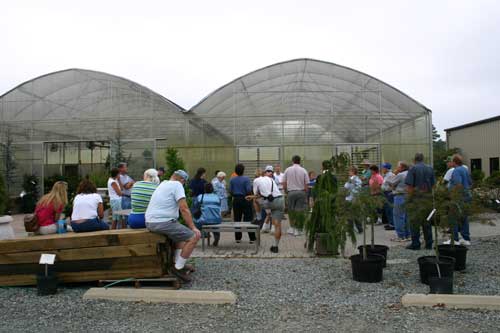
(277, 207)
(172, 229)
(297, 201)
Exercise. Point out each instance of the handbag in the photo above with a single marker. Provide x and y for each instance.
(31, 223)
(197, 211)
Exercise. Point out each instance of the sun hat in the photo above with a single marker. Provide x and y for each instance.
(269, 168)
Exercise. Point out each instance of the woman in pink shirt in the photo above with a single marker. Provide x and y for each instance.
(375, 181)
(49, 208)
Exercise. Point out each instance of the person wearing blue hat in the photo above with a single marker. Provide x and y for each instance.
(387, 215)
(162, 217)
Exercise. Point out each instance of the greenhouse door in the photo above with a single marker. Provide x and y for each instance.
(258, 157)
(359, 152)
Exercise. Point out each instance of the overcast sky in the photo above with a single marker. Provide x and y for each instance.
(445, 54)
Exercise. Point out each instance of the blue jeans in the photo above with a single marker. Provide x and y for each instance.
(388, 207)
(463, 228)
(89, 225)
(136, 220)
(400, 218)
(126, 204)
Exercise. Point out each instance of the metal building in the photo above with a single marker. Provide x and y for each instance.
(76, 122)
(479, 143)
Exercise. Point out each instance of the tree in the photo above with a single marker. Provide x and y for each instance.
(440, 153)
(174, 162)
(117, 154)
(4, 198)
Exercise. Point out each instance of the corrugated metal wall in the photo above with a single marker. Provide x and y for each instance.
(478, 141)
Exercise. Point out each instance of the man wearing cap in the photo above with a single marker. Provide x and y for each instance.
(269, 197)
(389, 198)
(296, 185)
(162, 217)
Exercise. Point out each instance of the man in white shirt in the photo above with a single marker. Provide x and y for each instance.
(270, 198)
(126, 183)
(162, 217)
(278, 177)
(296, 185)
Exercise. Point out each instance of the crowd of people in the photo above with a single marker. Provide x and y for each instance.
(159, 206)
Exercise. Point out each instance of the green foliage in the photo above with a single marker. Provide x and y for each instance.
(477, 176)
(340, 164)
(493, 180)
(100, 179)
(174, 162)
(4, 197)
(10, 165)
(323, 218)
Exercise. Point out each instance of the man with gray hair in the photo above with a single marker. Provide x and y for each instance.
(419, 181)
(162, 217)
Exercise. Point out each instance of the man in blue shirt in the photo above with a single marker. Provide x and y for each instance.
(239, 187)
(461, 180)
(420, 180)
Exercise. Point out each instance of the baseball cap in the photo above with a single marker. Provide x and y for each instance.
(182, 174)
(269, 168)
(387, 165)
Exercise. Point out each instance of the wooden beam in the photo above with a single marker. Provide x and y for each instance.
(102, 252)
(452, 301)
(162, 296)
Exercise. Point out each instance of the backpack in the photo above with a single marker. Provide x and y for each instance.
(31, 223)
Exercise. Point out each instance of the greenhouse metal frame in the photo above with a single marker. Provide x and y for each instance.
(78, 122)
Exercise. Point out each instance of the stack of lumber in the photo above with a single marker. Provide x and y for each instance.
(82, 257)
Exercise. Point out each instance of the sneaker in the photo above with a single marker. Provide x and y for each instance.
(251, 242)
(238, 241)
(448, 242)
(291, 231)
(389, 227)
(464, 242)
(297, 233)
(181, 274)
(274, 249)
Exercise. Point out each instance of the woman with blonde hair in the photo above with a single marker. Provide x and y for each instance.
(49, 208)
(140, 196)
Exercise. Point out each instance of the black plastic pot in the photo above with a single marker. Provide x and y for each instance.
(376, 249)
(459, 252)
(47, 285)
(428, 268)
(443, 285)
(322, 248)
(369, 270)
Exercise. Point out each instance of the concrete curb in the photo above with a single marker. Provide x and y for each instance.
(452, 301)
(162, 296)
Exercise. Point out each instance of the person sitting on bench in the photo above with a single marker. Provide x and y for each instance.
(210, 205)
(87, 209)
(162, 217)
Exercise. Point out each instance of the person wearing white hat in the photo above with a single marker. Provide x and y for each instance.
(219, 185)
(269, 197)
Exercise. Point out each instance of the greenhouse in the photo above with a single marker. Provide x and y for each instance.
(77, 122)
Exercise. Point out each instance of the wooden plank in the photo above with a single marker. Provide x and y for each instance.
(102, 252)
(86, 265)
(71, 277)
(452, 301)
(162, 296)
(80, 240)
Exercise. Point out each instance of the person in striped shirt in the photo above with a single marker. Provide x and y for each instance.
(140, 196)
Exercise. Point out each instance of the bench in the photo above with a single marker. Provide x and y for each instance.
(87, 256)
(230, 227)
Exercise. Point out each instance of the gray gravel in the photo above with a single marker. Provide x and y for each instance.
(273, 295)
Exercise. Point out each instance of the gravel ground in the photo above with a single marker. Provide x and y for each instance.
(273, 295)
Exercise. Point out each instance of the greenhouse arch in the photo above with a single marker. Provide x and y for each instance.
(79, 121)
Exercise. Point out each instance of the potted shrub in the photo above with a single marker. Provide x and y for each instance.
(418, 206)
(368, 265)
(319, 226)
